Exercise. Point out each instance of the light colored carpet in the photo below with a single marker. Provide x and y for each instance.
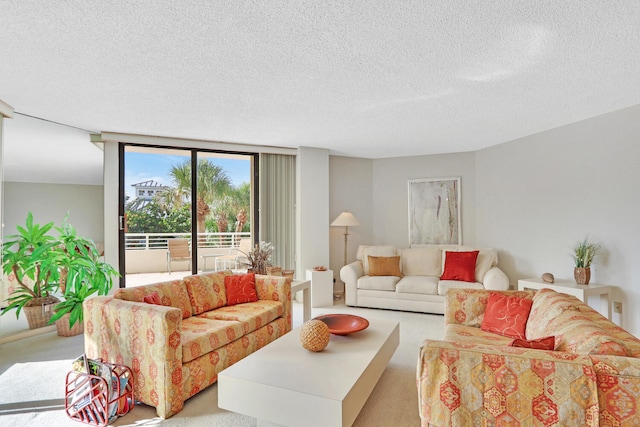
(33, 370)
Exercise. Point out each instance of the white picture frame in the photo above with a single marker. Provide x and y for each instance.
(434, 211)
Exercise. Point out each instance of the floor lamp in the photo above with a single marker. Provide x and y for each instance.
(346, 220)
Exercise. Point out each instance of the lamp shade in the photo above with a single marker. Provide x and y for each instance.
(345, 219)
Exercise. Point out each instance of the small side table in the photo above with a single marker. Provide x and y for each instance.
(204, 261)
(321, 287)
(582, 292)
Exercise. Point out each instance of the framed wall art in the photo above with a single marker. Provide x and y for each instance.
(434, 211)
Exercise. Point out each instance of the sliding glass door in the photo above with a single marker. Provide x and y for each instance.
(183, 211)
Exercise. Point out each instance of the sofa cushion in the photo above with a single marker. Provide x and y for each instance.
(460, 266)
(473, 336)
(422, 261)
(487, 258)
(384, 266)
(200, 335)
(445, 285)
(241, 288)
(547, 306)
(418, 285)
(546, 343)
(172, 294)
(152, 298)
(378, 283)
(583, 337)
(207, 290)
(360, 256)
(375, 251)
(506, 315)
(252, 315)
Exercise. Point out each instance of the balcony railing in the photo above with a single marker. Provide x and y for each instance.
(145, 241)
(147, 252)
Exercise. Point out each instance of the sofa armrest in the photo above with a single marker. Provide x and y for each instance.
(276, 288)
(350, 274)
(467, 384)
(144, 337)
(495, 280)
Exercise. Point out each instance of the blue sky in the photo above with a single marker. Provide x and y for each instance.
(151, 166)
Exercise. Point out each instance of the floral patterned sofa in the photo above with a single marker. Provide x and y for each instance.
(591, 377)
(177, 348)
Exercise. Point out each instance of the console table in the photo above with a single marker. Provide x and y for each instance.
(582, 292)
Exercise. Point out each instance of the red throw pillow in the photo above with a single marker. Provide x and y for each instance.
(152, 298)
(546, 343)
(241, 288)
(460, 266)
(506, 315)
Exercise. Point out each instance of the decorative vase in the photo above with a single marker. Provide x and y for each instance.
(62, 326)
(582, 275)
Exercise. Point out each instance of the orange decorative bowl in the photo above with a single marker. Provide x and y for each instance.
(344, 324)
(320, 268)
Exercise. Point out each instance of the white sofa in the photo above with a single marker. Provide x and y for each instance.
(420, 288)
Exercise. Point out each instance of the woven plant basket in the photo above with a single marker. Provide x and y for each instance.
(274, 271)
(39, 311)
(582, 275)
(62, 326)
(288, 274)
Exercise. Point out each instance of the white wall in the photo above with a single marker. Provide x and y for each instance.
(538, 195)
(51, 202)
(350, 189)
(391, 193)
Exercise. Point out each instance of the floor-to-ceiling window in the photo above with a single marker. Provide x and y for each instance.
(183, 210)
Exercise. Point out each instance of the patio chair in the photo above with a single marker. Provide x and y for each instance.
(235, 257)
(178, 250)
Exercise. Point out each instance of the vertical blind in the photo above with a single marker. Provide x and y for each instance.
(277, 206)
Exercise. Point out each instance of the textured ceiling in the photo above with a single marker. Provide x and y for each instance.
(360, 78)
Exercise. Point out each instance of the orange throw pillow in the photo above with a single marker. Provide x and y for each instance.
(384, 266)
(152, 298)
(546, 343)
(241, 288)
(460, 266)
(506, 315)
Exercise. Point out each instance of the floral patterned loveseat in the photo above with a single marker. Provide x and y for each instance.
(177, 348)
(474, 377)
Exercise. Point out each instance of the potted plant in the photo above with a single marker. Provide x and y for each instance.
(27, 257)
(259, 258)
(583, 254)
(82, 274)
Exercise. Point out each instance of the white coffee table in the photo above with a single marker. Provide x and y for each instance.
(283, 384)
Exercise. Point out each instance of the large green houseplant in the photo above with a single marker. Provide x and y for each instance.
(27, 258)
(45, 266)
(82, 274)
